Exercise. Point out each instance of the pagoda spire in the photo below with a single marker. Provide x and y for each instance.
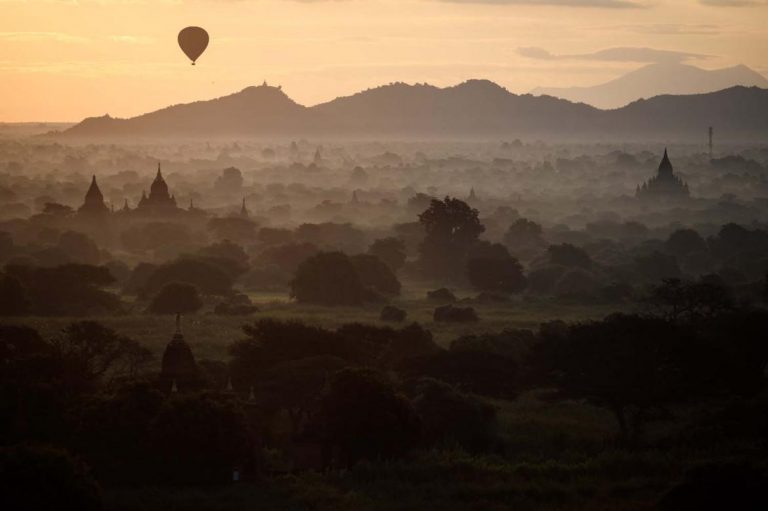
(665, 167)
(94, 200)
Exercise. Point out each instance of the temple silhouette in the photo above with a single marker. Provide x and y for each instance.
(179, 371)
(664, 185)
(93, 205)
(159, 203)
(159, 200)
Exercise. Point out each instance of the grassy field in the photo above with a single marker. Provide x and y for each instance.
(210, 334)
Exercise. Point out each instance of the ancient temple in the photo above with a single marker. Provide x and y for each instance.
(664, 185)
(179, 369)
(159, 199)
(93, 205)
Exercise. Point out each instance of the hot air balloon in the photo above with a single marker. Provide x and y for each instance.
(193, 42)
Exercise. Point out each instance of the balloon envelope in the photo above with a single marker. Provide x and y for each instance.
(193, 42)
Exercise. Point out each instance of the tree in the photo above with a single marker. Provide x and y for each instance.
(376, 275)
(56, 209)
(112, 431)
(230, 180)
(37, 478)
(389, 250)
(408, 343)
(236, 305)
(200, 438)
(471, 369)
(153, 236)
(209, 278)
(363, 416)
(491, 268)
(239, 230)
(296, 386)
(176, 298)
(32, 404)
(577, 282)
(392, 313)
(328, 278)
(629, 365)
(227, 251)
(452, 314)
(67, 290)
(138, 278)
(275, 236)
(13, 297)
(523, 233)
(657, 266)
(570, 256)
(270, 342)
(79, 247)
(89, 352)
(287, 257)
(734, 239)
(685, 241)
(453, 417)
(332, 236)
(740, 352)
(676, 300)
(452, 228)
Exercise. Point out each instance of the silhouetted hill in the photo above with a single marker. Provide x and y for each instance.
(655, 80)
(259, 110)
(736, 113)
(473, 109)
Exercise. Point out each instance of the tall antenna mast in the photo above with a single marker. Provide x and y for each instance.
(711, 134)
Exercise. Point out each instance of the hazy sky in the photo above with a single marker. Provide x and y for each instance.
(62, 60)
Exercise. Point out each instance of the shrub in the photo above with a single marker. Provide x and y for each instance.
(363, 415)
(176, 298)
(392, 313)
(13, 297)
(37, 478)
(441, 295)
(209, 278)
(375, 275)
(451, 314)
(389, 250)
(236, 305)
(201, 439)
(328, 278)
(452, 417)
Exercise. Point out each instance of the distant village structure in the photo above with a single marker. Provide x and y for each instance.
(159, 203)
(664, 185)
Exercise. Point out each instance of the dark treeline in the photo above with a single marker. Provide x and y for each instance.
(331, 399)
(446, 248)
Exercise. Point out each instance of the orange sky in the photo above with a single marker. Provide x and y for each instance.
(62, 60)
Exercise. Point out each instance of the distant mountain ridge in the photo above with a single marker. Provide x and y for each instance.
(473, 109)
(655, 80)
